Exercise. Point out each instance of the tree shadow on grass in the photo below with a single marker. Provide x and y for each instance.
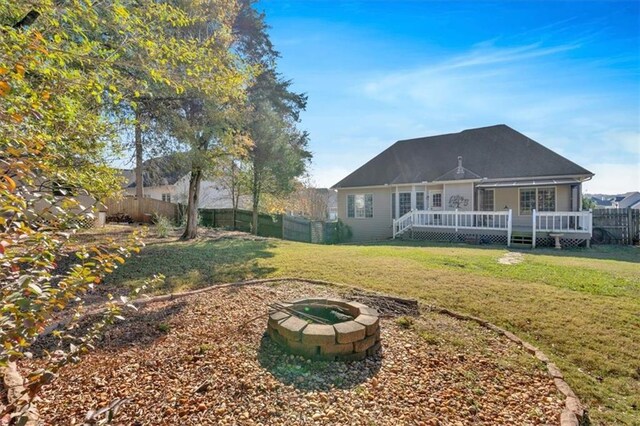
(311, 375)
(193, 265)
(139, 328)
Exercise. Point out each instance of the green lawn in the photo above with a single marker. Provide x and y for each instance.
(581, 307)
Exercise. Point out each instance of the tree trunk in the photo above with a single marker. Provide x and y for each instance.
(191, 230)
(139, 179)
(234, 190)
(256, 200)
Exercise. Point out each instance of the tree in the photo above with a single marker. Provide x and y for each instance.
(279, 153)
(588, 203)
(65, 69)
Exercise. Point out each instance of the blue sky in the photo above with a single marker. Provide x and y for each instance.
(565, 73)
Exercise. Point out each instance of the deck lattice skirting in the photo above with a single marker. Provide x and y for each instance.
(573, 414)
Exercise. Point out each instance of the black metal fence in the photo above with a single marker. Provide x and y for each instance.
(292, 228)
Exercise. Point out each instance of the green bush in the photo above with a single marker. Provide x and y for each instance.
(163, 225)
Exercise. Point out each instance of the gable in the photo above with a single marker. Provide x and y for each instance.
(496, 152)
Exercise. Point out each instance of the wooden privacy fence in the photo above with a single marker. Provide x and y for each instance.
(140, 210)
(616, 226)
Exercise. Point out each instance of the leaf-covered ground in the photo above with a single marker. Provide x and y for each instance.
(185, 362)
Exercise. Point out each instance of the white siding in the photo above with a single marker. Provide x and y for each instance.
(213, 195)
(458, 196)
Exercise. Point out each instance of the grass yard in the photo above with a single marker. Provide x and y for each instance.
(581, 307)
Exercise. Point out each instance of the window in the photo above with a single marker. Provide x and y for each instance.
(541, 199)
(405, 203)
(547, 199)
(419, 200)
(166, 197)
(360, 205)
(527, 200)
(487, 200)
(436, 200)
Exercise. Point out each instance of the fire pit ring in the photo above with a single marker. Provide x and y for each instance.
(325, 329)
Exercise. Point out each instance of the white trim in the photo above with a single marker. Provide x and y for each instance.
(388, 185)
(364, 194)
(365, 206)
(493, 207)
(431, 192)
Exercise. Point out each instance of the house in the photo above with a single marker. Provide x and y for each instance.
(490, 184)
(628, 200)
(602, 201)
(167, 178)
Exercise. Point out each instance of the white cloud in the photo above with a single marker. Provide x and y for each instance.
(613, 178)
(539, 90)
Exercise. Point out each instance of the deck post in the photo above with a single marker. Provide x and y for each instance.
(456, 219)
(509, 228)
(533, 229)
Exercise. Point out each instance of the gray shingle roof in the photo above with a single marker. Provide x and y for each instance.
(164, 170)
(493, 152)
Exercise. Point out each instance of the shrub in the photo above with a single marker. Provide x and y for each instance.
(163, 225)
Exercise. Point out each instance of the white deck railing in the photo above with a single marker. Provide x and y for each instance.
(558, 222)
(579, 222)
(456, 220)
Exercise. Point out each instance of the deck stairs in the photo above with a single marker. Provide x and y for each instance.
(521, 239)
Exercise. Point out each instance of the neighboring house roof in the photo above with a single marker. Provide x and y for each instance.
(495, 152)
(129, 175)
(166, 170)
(602, 201)
(630, 199)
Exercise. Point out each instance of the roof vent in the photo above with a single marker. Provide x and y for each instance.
(460, 169)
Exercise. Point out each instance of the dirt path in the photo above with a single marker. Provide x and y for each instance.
(511, 258)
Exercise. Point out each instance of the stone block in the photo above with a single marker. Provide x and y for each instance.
(336, 349)
(349, 331)
(291, 328)
(319, 334)
(554, 371)
(541, 356)
(529, 348)
(369, 311)
(363, 345)
(564, 388)
(276, 318)
(568, 418)
(574, 405)
(307, 351)
(371, 323)
(352, 310)
(374, 349)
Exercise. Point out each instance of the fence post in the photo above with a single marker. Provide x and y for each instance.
(509, 228)
(533, 229)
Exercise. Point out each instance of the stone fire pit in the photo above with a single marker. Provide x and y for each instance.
(326, 329)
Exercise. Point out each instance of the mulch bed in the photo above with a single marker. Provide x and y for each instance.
(185, 362)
